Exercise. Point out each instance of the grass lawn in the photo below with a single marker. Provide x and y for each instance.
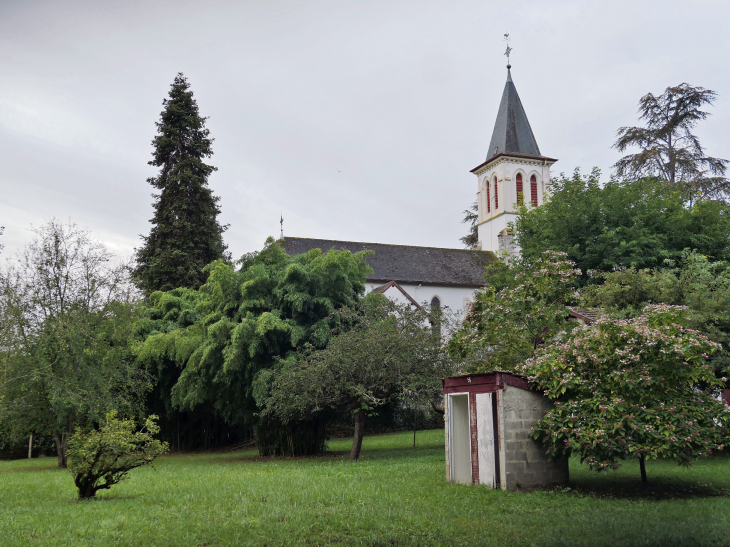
(395, 495)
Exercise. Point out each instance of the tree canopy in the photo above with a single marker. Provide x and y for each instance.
(68, 313)
(621, 224)
(667, 147)
(186, 235)
(244, 321)
(389, 352)
(636, 388)
(523, 305)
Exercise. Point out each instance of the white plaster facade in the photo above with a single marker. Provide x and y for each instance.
(455, 297)
(496, 212)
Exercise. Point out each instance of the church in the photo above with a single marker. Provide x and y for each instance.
(515, 172)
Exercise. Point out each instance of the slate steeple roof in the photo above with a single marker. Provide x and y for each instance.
(512, 132)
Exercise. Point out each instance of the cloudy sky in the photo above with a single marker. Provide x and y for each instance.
(357, 120)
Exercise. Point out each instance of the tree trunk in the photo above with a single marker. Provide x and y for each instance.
(61, 442)
(357, 438)
(642, 466)
(30, 446)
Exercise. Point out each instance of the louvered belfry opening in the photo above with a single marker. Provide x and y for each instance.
(533, 190)
(520, 194)
(496, 196)
(489, 200)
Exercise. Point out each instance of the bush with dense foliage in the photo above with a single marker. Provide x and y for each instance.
(211, 344)
(634, 388)
(103, 457)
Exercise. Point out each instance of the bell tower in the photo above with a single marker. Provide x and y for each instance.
(514, 173)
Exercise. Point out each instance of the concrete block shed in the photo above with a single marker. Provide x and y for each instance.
(488, 419)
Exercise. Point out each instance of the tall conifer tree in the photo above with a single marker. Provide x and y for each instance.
(185, 235)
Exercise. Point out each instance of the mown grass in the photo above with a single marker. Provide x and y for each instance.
(395, 495)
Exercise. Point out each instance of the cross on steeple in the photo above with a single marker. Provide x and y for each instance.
(281, 221)
(509, 49)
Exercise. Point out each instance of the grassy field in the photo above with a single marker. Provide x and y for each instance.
(395, 495)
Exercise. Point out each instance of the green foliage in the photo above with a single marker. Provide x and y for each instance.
(700, 285)
(523, 305)
(621, 224)
(390, 353)
(104, 457)
(68, 313)
(471, 217)
(630, 389)
(244, 322)
(185, 235)
(667, 147)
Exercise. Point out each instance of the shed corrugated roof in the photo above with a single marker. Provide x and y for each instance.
(407, 263)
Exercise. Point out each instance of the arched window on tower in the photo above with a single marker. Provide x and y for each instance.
(496, 196)
(533, 190)
(520, 193)
(489, 201)
(436, 316)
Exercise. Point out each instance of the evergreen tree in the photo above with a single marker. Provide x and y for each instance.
(471, 217)
(185, 235)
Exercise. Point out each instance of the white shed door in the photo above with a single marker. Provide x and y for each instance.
(486, 436)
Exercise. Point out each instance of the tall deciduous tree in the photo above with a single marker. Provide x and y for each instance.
(68, 310)
(185, 235)
(667, 147)
(621, 224)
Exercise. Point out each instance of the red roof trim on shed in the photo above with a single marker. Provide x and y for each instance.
(484, 382)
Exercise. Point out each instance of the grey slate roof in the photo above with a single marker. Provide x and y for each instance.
(406, 263)
(512, 132)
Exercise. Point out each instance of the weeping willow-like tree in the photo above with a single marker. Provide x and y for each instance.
(244, 322)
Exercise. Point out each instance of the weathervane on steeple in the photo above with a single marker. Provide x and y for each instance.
(509, 49)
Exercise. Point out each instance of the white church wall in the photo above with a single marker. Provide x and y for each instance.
(455, 297)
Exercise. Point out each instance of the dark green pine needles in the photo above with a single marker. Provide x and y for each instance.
(185, 235)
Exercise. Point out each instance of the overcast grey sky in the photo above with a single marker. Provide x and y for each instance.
(359, 120)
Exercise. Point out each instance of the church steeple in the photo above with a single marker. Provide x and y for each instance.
(514, 174)
(512, 132)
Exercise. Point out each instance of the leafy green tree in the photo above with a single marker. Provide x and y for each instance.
(244, 322)
(699, 284)
(630, 389)
(471, 217)
(523, 305)
(667, 147)
(390, 353)
(103, 457)
(621, 224)
(185, 235)
(68, 309)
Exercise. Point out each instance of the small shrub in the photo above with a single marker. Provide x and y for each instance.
(104, 457)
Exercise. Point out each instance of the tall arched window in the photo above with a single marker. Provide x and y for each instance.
(496, 196)
(489, 201)
(520, 193)
(436, 316)
(533, 190)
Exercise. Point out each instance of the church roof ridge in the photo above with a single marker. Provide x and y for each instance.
(407, 263)
(512, 132)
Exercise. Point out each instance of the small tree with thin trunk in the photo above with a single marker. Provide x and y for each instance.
(630, 389)
(102, 458)
(391, 352)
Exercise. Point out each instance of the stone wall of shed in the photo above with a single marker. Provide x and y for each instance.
(525, 463)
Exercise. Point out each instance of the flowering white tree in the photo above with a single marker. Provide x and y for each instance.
(523, 306)
(639, 388)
